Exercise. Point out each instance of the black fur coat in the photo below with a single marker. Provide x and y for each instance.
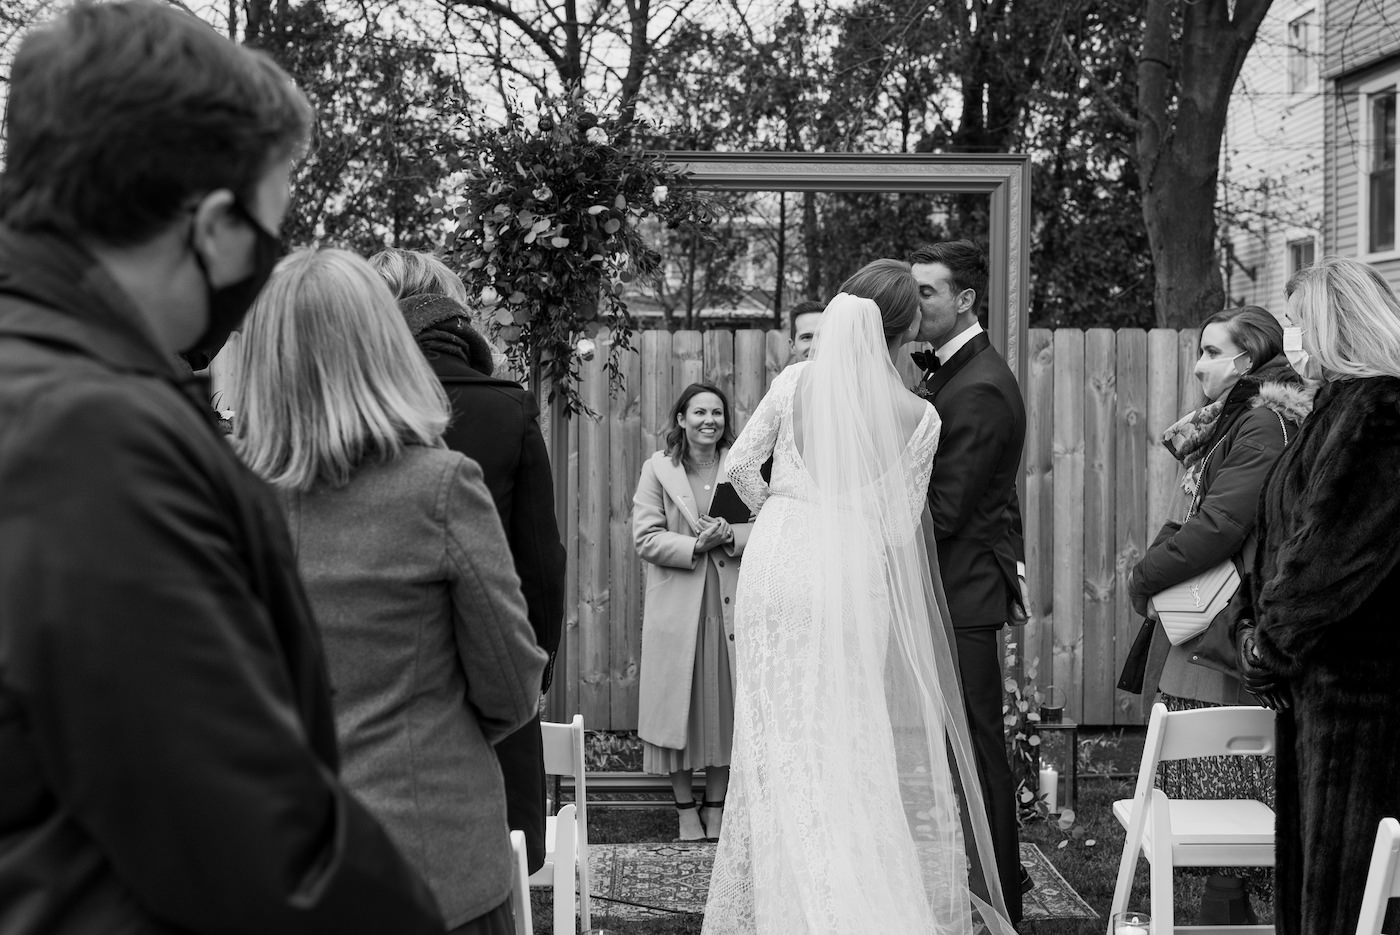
(1326, 593)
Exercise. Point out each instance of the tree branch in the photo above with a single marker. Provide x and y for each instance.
(538, 38)
(1100, 92)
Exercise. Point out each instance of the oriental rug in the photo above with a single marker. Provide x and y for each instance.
(642, 881)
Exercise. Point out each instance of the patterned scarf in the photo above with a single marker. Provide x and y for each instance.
(1186, 439)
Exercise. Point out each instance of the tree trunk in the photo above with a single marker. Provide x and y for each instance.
(810, 240)
(782, 261)
(1184, 87)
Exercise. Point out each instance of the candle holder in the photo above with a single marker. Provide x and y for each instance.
(1052, 708)
(1131, 923)
(1059, 748)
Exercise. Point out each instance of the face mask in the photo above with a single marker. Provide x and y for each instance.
(1217, 376)
(228, 305)
(1300, 360)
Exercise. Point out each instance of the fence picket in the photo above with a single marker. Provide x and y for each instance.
(1100, 469)
(1067, 538)
(1038, 512)
(626, 451)
(750, 375)
(1130, 507)
(594, 598)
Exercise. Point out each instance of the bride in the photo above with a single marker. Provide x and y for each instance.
(853, 778)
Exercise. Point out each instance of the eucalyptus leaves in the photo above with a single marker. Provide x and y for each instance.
(546, 232)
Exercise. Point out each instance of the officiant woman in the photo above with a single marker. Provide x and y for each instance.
(1227, 448)
(686, 721)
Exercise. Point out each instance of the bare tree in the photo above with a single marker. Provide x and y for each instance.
(1191, 55)
(600, 45)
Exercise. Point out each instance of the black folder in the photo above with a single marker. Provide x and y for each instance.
(728, 505)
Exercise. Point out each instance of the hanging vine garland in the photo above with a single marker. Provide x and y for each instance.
(546, 230)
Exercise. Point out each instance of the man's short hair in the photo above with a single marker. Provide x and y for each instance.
(805, 307)
(965, 261)
(120, 113)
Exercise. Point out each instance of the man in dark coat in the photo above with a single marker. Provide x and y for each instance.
(976, 517)
(167, 749)
(495, 422)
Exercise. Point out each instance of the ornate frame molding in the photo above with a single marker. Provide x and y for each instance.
(1005, 178)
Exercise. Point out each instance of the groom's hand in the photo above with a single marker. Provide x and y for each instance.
(1021, 608)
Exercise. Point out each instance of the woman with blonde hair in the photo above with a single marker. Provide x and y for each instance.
(413, 272)
(1320, 643)
(430, 654)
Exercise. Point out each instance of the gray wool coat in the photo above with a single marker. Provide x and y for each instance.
(664, 526)
(431, 659)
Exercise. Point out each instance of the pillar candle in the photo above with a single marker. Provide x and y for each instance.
(1049, 786)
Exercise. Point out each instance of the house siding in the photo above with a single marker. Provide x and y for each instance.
(1362, 43)
(1272, 171)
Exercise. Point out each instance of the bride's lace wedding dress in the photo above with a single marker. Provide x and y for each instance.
(841, 814)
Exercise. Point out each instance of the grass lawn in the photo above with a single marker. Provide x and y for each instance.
(1089, 868)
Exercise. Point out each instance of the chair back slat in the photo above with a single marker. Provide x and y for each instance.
(1383, 880)
(563, 747)
(1237, 731)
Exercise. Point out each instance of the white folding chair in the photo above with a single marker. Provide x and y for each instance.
(1383, 880)
(519, 891)
(1193, 833)
(566, 833)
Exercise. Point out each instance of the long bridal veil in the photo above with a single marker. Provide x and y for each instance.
(906, 792)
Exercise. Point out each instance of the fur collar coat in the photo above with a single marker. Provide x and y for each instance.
(1326, 587)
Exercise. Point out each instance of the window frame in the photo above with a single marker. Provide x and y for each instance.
(1388, 81)
(1308, 53)
(1297, 238)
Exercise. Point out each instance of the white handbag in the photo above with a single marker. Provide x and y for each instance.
(1186, 609)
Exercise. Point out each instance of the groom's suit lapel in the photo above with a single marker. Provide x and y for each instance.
(979, 343)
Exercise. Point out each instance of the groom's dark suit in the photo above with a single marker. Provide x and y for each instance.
(977, 525)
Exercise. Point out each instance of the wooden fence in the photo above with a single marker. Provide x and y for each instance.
(1097, 487)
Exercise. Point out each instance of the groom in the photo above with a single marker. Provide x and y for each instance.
(976, 516)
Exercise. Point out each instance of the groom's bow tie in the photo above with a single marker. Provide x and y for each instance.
(926, 361)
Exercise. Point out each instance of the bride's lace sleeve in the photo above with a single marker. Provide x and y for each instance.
(756, 442)
(923, 448)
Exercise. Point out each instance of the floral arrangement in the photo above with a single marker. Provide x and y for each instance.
(1020, 709)
(545, 213)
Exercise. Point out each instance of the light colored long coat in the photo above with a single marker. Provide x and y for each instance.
(665, 524)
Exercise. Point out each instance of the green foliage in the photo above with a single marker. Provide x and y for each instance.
(375, 159)
(548, 209)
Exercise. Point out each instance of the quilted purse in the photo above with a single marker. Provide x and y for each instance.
(1186, 609)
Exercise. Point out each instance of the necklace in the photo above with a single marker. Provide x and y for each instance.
(707, 464)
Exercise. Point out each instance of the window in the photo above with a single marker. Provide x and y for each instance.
(1302, 55)
(1379, 171)
(1302, 253)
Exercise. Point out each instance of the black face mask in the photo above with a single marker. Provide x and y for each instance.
(228, 305)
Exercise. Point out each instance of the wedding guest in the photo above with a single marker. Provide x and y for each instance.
(168, 756)
(976, 517)
(686, 719)
(1227, 448)
(802, 328)
(1322, 645)
(430, 652)
(495, 422)
(412, 272)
